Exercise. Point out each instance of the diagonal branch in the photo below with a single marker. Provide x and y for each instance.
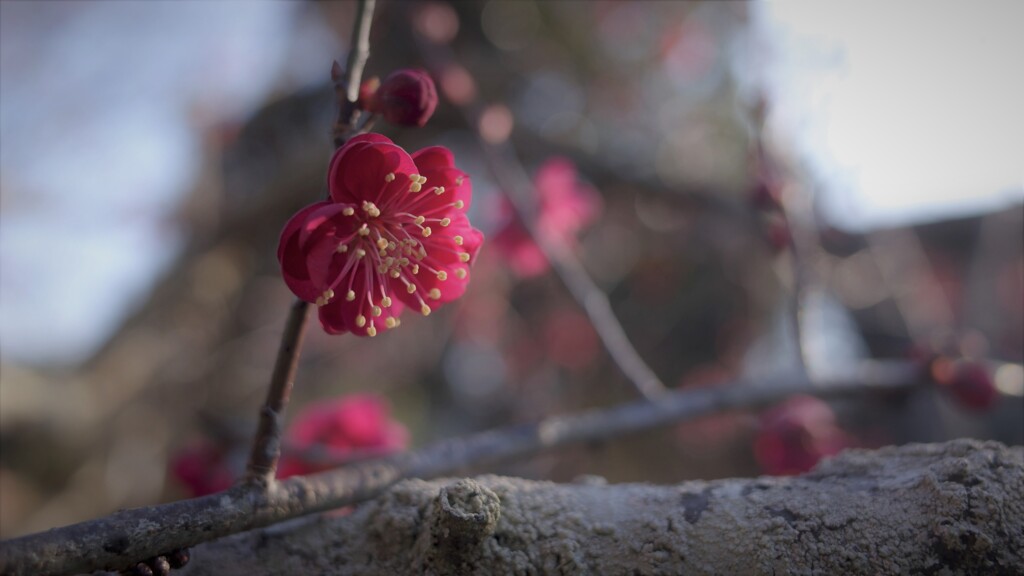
(119, 540)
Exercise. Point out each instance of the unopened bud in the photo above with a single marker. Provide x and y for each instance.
(407, 97)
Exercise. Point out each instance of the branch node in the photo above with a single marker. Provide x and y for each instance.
(463, 516)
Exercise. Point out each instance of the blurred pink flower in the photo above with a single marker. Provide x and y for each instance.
(570, 339)
(565, 206)
(202, 468)
(796, 434)
(394, 233)
(358, 425)
(967, 381)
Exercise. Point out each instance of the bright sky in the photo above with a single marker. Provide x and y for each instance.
(908, 110)
(101, 110)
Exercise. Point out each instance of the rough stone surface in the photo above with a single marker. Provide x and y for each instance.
(955, 508)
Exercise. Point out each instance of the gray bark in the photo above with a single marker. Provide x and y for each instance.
(954, 508)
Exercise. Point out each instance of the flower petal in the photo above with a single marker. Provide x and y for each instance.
(370, 172)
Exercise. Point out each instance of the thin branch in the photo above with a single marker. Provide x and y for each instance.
(266, 449)
(358, 54)
(266, 446)
(512, 178)
(119, 540)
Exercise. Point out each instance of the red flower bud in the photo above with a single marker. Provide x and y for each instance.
(407, 97)
(796, 434)
(968, 382)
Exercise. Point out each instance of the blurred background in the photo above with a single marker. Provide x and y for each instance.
(150, 154)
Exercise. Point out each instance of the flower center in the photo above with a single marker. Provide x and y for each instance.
(391, 247)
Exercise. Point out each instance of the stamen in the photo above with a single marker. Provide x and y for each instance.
(348, 211)
(461, 273)
(419, 220)
(446, 221)
(386, 302)
(325, 297)
(390, 177)
(382, 243)
(425, 310)
(458, 240)
(351, 295)
(459, 180)
(360, 321)
(442, 275)
(426, 232)
(439, 190)
(360, 252)
(459, 204)
(464, 257)
(390, 322)
(371, 331)
(377, 311)
(434, 294)
(410, 288)
(342, 248)
(363, 230)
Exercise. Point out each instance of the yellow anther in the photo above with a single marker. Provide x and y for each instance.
(458, 240)
(360, 321)
(360, 252)
(392, 245)
(414, 177)
(394, 273)
(415, 187)
(390, 323)
(434, 294)
(371, 209)
(464, 257)
(458, 181)
(342, 248)
(382, 243)
(410, 288)
(415, 268)
(350, 296)
(426, 231)
(459, 204)
(348, 211)
(425, 310)
(364, 231)
(390, 177)
(419, 220)
(377, 311)
(442, 275)
(439, 190)
(403, 261)
(386, 301)
(371, 331)
(461, 273)
(446, 221)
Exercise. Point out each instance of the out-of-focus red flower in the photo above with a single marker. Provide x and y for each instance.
(569, 339)
(968, 382)
(337, 429)
(394, 233)
(407, 97)
(565, 205)
(796, 434)
(202, 468)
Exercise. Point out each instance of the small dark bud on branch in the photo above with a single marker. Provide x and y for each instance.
(406, 97)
